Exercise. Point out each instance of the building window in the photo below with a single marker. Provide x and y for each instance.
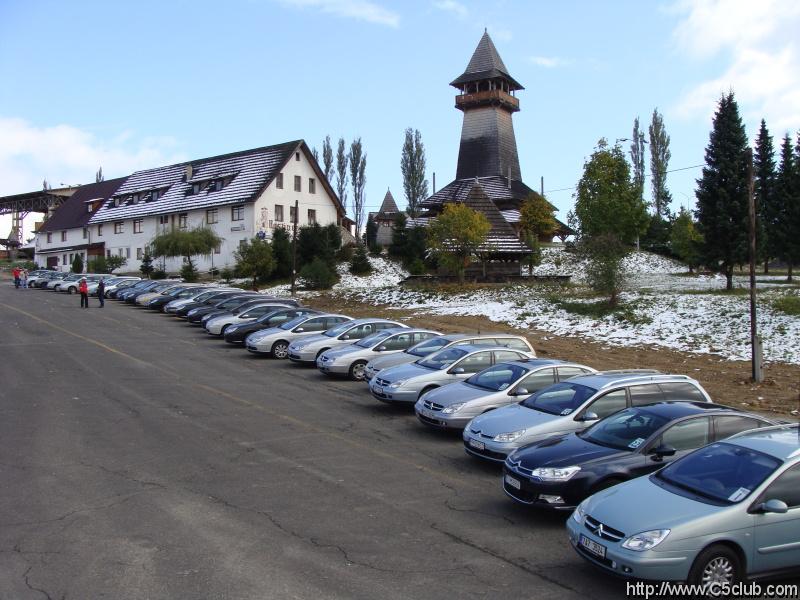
(155, 194)
(312, 216)
(63, 236)
(127, 252)
(183, 219)
(135, 199)
(64, 260)
(292, 214)
(298, 183)
(89, 207)
(116, 202)
(49, 238)
(137, 225)
(163, 219)
(85, 232)
(212, 216)
(242, 244)
(312, 185)
(139, 254)
(297, 156)
(218, 249)
(71, 258)
(100, 230)
(279, 181)
(108, 253)
(237, 212)
(118, 227)
(279, 213)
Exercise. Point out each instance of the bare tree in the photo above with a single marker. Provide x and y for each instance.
(412, 165)
(341, 172)
(358, 165)
(327, 157)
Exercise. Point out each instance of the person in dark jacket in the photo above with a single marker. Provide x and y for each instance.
(83, 288)
(101, 293)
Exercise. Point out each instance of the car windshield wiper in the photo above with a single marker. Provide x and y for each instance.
(692, 490)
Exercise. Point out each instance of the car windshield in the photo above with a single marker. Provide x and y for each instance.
(498, 377)
(176, 292)
(339, 329)
(722, 472)
(371, 340)
(428, 346)
(560, 398)
(293, 323)
(626, 430)
(265, 318)
(188, 293)
(441, 360)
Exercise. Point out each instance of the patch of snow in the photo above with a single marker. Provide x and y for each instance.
(385, 273)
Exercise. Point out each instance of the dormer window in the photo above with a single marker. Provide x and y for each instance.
(196, 188)
(155, 194)
(135, 199)
(117, 201)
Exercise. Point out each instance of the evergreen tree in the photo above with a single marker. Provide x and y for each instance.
(315, 241)
(254, 259)
(637, 159)
(359, 264)
(371, 233)
(115, 261)
(282, 252)
(98, 177)
(412, 166)
(764, 173)
(341, 172)
(77, 264)
(358, 179)
(327, 157)
(397, 249)
(659, 163)
(722, 202)
(146, 268)
(785, 204)
(685, 239)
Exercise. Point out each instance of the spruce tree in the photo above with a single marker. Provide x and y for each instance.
(282, 252)
(764, 174)
(722, 202)
(786, 205)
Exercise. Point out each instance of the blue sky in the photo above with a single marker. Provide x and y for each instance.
(131, 85)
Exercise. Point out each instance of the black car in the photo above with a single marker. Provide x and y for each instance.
(174, 294)
(160, 286)
(559, 472)
(225, 305)
(236, 334)
(208, 299)
(123, 285)
(141, 287)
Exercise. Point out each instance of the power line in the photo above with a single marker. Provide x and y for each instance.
(646, 176)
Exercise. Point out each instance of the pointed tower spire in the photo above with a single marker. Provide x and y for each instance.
(488, 145)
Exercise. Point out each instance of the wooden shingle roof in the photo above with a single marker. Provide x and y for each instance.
(485, 64)
(501, 238)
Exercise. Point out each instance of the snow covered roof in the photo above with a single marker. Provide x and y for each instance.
(242, 176)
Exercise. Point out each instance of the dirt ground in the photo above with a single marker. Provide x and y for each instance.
(727, 381)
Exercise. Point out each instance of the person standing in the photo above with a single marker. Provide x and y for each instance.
(15, 273)
(83, 288)
(101, 293)
(24, 278)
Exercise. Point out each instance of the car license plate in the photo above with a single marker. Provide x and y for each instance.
(513, 482)
(427, 413)
(377, 389)
(477, 445)
(592, 546)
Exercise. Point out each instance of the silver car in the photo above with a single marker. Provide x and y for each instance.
(405, 384)
(724, 513)
(454, 405)
(351, 360)
(243, 314)
(572, 405)
(309, 348)
(186, 296)
(276, 340)
(423, 349)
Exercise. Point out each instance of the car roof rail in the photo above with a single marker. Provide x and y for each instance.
(630, 372)
(778, 427)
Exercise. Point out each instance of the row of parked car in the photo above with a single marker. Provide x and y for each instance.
(661, 482)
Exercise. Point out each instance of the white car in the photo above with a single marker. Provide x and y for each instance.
(218, 325)
(111, 283)
(70, 284)
(309, 348)
(276, 340)
(352, 359)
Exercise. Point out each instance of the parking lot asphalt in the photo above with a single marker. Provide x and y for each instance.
(142, 458)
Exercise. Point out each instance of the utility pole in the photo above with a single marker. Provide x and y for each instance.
(294, 249)
(755, 340)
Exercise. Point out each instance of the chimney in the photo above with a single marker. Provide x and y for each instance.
(188, 175)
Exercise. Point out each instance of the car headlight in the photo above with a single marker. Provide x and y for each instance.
(508, 436)
(453, 408)
(579, 514)
(555, 474)
(646, 540)
(396, 384)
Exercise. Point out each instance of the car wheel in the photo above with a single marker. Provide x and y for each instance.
(714, 566)
(357, 370)
(70, 290)
(320, 353)
(280, 350)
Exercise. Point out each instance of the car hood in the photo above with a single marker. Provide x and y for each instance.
(563, 451)
(641, 505)
(402, 372)
(311, 339)
(454, 393)
(345, 351)
(392, 360)
(511, 418)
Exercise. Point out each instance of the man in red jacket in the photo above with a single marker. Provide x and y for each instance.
(16, 272)
(83, 288)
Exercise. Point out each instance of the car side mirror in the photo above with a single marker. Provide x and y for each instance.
(589, 416)
(457, 371)
(382, 348)
(521, 391)
(659, 452)
(774, 506)
(299, 330)
(345, 337)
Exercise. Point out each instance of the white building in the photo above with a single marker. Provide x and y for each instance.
(240, 195)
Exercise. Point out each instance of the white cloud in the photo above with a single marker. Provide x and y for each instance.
(501, 34)
(452, 6)
(757, 40)
(549, 62)
(64, 154)
(362, 10)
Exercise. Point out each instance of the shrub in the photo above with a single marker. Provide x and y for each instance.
(77, 264)
(788, 304)
(98, 265)
(360, 264)
(227, 274)
(189, 271)
(604, 274)
(115, 262)
(345, 253)
(318, 275)
(158, 274)
(417, 267)
(376, 250)
(282, 253)
(146, 268)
